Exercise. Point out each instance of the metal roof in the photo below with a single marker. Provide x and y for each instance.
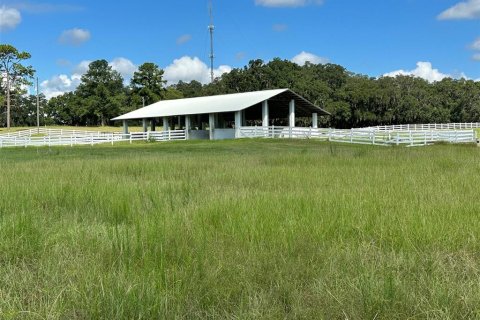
(213, 104)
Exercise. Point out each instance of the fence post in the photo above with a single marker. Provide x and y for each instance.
(351, 135)
(273, 131)
(130, 137)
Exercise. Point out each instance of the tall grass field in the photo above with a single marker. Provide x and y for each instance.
(246, 229)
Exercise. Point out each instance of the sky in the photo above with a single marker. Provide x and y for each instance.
(431, 39)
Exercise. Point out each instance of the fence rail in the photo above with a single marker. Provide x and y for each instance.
(78, 137)
(427, 126)
(361, 136)
(49, 132)
(410, 135)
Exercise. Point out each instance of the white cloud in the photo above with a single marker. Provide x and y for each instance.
(476, 57)
(82, 67)
(286, 3)
(63, 62)
(184, 39)
(59, 84)
(74, 37)
(240, 55)
(9, 18)
(423, 70)
(476, 44)
(304, 57)
(124, 66)
(279, 27)
(187, 69)
(39, 8)
(469, 9)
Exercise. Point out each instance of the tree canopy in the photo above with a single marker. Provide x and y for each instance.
(353, 100)
(14, 74)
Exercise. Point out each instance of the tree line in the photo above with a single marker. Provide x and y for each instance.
(353, 100)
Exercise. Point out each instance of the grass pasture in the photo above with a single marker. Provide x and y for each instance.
(240, 229)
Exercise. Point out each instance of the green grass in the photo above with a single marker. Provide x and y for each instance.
(241, 230)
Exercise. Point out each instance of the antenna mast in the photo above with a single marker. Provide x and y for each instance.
(211, 27)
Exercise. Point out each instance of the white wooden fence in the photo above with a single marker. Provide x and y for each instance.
(427, 126)
(409, 134)
(361, 136)
(78, 137)
(49, 132)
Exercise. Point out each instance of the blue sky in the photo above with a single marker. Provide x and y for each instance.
(429, 38)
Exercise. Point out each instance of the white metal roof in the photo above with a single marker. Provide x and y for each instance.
(202, 105)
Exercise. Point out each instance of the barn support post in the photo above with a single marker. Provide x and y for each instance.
(265, 113)
(152, 125)
(187, 126)
(291, 117)
(145, 125)
(125, 127)
(238, 123)
(211, 124)
(314, 120)
(166, 125)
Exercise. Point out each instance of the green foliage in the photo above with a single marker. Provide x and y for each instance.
(14, 77)
(353, 100)
(148, 83)
(190, 89)
(101, 92)
(10, 63)
(24, 110)
(64, 109)
(227, 230)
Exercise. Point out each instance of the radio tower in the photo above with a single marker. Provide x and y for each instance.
(211, 27)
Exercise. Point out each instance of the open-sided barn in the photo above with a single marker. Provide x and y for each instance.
(221, 116)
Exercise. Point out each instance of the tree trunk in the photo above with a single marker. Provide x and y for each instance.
(8, 101)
